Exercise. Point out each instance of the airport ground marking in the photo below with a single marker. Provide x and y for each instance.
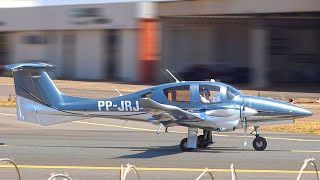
(306, 151)
(179, 132)
(5, 114)
(6, 84)
(156, 169)
(124, 127)
(294, 139)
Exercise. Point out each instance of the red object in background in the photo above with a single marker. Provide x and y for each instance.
(148, 48)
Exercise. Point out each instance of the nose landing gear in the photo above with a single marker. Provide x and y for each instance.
(259, 143)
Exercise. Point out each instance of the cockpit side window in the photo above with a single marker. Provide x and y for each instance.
(147, 95)
(231, 93)
(209, 94)
(178, 93)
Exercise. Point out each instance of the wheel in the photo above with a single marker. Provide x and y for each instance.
(183, 145)
(260, 143)
(202, 142)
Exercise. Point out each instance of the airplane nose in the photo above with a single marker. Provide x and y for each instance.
(303, 112)
(246, 112)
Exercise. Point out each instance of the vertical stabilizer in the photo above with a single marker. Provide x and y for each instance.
(36, 85)
(38, 99)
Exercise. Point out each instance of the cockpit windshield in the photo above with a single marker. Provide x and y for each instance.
(232, 92)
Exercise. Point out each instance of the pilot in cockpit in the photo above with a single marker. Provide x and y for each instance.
(205, 95)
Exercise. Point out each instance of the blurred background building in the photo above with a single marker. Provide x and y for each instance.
(237, 41)
(18, 3)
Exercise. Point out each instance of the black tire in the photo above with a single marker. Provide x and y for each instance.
(202, 142)
(259, 143)
(183, 145)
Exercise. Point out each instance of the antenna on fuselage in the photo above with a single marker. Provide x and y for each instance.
(172, 76)
(117, 91)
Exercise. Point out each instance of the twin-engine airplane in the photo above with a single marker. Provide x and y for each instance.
(210, 106)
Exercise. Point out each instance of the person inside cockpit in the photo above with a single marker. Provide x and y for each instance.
(210, 94)
(205, 95)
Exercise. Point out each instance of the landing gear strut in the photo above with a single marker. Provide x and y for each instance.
(193, 141)
(259, 143)
(205, 140)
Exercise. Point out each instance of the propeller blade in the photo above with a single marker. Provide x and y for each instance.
(243, 115)
(245, 131)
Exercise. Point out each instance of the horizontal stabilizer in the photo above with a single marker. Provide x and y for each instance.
(28, 66)
(37, 113)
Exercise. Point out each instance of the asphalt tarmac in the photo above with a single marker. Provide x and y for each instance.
(96, 148)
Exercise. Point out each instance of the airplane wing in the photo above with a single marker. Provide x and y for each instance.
(167, 113)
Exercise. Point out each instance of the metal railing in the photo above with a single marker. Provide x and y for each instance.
(55, 176)
(123, 174)
(311, 160)
(14, 164)
(129, 168)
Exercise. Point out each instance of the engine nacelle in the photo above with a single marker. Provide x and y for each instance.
(227, 125)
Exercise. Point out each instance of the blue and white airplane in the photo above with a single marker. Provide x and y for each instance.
(210, 106)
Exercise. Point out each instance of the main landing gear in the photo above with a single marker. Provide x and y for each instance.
(202, 141)
(194, 141)
(259, 143)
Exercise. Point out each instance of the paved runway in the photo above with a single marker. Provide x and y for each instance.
(95, 149)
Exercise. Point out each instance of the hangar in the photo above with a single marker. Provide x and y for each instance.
(278, 40)
(94, 42)
(267, 41)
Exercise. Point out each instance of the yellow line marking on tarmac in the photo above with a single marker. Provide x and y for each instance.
(6, 84)
(116, 126)
(155, 169)
(124, 127)
(5, 114)
(293, 139)
(306, 151)
(179, 132)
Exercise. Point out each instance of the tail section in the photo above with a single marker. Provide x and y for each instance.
(38, 99)
(33, 83)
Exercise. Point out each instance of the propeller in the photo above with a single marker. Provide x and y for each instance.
(244, 113)
(244, 124)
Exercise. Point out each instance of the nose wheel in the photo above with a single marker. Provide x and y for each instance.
(259, 143)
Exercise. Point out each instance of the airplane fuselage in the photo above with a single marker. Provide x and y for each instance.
(128, 107)
(206, 105)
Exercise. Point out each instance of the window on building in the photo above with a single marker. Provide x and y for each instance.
(34, 39)
(178, 93)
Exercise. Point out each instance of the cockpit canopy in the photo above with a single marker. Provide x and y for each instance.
(195, 93)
